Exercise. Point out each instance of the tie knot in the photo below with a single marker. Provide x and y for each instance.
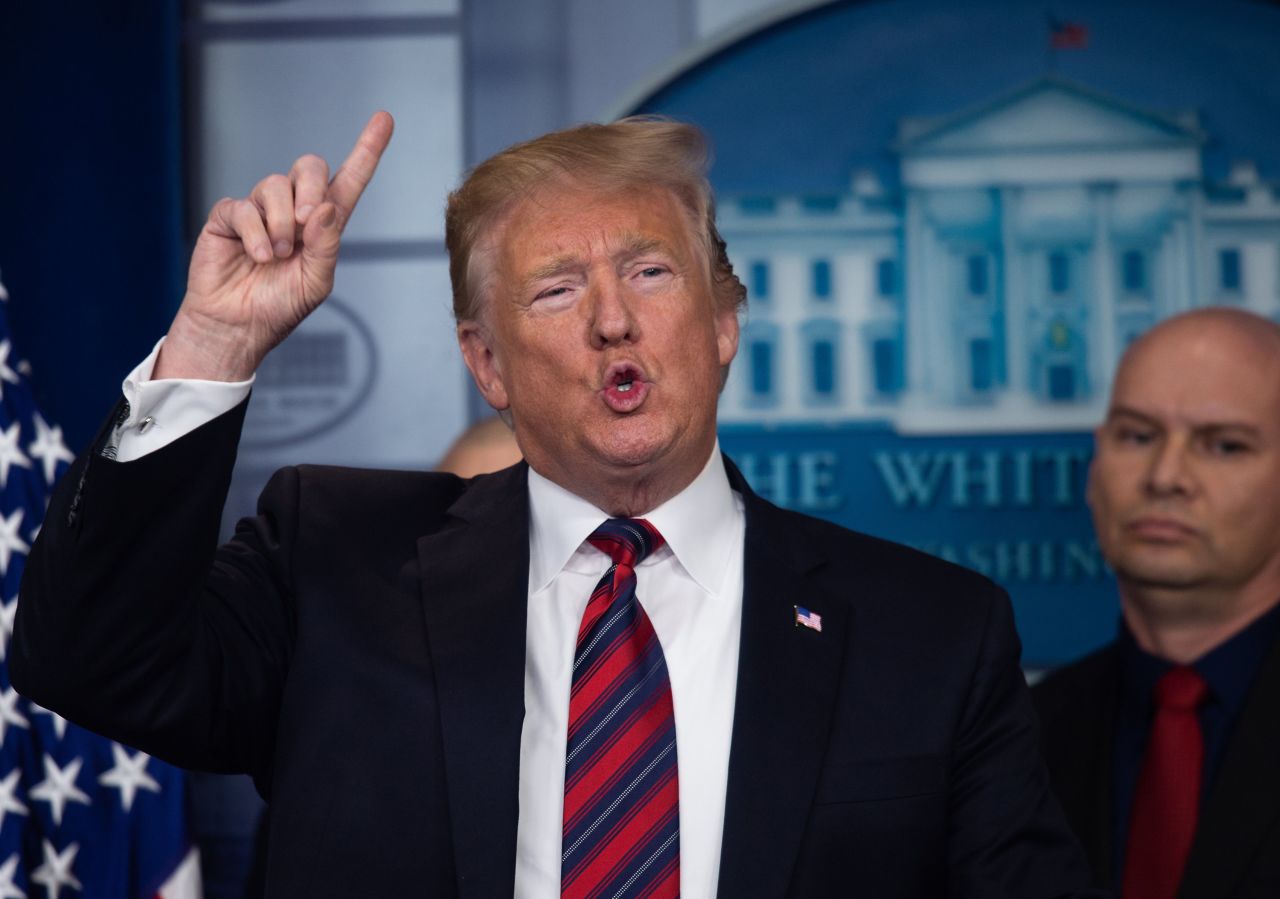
(628, 541)
(1181, 689)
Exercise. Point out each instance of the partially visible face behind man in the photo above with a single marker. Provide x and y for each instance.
(1185, 482)
(600, 332)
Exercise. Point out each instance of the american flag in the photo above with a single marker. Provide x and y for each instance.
(1067, 35)
(80, 815)
(805, 618)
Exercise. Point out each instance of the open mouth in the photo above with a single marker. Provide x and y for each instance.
(624, 387)
(624, 378)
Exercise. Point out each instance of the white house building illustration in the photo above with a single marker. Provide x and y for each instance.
(1030, 239)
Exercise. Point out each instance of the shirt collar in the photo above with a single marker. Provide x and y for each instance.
(1228, 668)
(693, 523)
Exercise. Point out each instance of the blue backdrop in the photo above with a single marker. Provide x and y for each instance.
(91, 187)
(949, 228)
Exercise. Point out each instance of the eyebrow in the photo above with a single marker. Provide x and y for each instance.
(1130, 412)
(554, 268)
(632, 245)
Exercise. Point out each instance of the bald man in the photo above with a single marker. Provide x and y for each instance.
(1164, 746)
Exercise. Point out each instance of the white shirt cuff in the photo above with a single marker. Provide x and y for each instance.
(159, 412)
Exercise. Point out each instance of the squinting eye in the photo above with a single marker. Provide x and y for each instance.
(652, 271)
(1133, 436)
(1227, 447)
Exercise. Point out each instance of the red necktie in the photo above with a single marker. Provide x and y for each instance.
(1162, 823)
(621, 792)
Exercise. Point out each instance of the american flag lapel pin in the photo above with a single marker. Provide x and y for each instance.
(805, 618)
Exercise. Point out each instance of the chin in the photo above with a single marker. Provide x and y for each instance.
(633, 457)
(637, 444)
(1169, 574)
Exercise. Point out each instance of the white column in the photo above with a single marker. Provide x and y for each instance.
(1105, 343)
(916, 297)
(1170, 291)
(1200, 268)
(1015, 295)
(1259, 263)
(944, 368)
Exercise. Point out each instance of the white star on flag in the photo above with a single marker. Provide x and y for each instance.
(129, 775)
(9, 803)
(142, 851)
(6, 373)
(55, 873)
(48, 447)
(59, 787)
(9, 714)
(59, 723)
(10, 453)
(10, 542)
(7, 870)
(7, 611)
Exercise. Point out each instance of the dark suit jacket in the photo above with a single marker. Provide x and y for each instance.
(1236, 853)
(359, 648)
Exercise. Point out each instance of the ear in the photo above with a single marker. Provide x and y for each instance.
(477, 345)
(727, 334)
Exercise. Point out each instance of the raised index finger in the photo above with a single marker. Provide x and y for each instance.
(357, 169)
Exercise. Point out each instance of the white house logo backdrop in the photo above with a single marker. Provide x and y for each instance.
(951, 220)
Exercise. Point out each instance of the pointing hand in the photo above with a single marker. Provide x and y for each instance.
(264, 262)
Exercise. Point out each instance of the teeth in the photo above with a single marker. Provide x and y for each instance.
(624, 386)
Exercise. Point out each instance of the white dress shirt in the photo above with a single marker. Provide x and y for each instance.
(691, 589)
(162, 411)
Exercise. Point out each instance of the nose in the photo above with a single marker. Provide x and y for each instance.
(1169, 473)
(612, 319)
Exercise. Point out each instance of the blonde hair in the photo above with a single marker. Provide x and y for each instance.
(635, 152)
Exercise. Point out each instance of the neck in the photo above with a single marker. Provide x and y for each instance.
(1181, 626)
(629, 497)
(629, 493)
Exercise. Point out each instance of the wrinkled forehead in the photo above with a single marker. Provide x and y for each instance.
(559, 207)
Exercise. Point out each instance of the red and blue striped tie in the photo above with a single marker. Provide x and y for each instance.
(621, 793)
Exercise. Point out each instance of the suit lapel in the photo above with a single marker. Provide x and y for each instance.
(1083, 761)
(1243, 804)
(1079, 733)
(787, 683)
(474, 594)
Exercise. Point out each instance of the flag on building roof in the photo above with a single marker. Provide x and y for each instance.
(1067, 35)
(81, 817)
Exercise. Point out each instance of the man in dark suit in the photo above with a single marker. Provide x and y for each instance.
(1163, 745)
(409, 663)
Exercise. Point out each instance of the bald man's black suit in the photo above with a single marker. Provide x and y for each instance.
(358, 647)
(1236, 852)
